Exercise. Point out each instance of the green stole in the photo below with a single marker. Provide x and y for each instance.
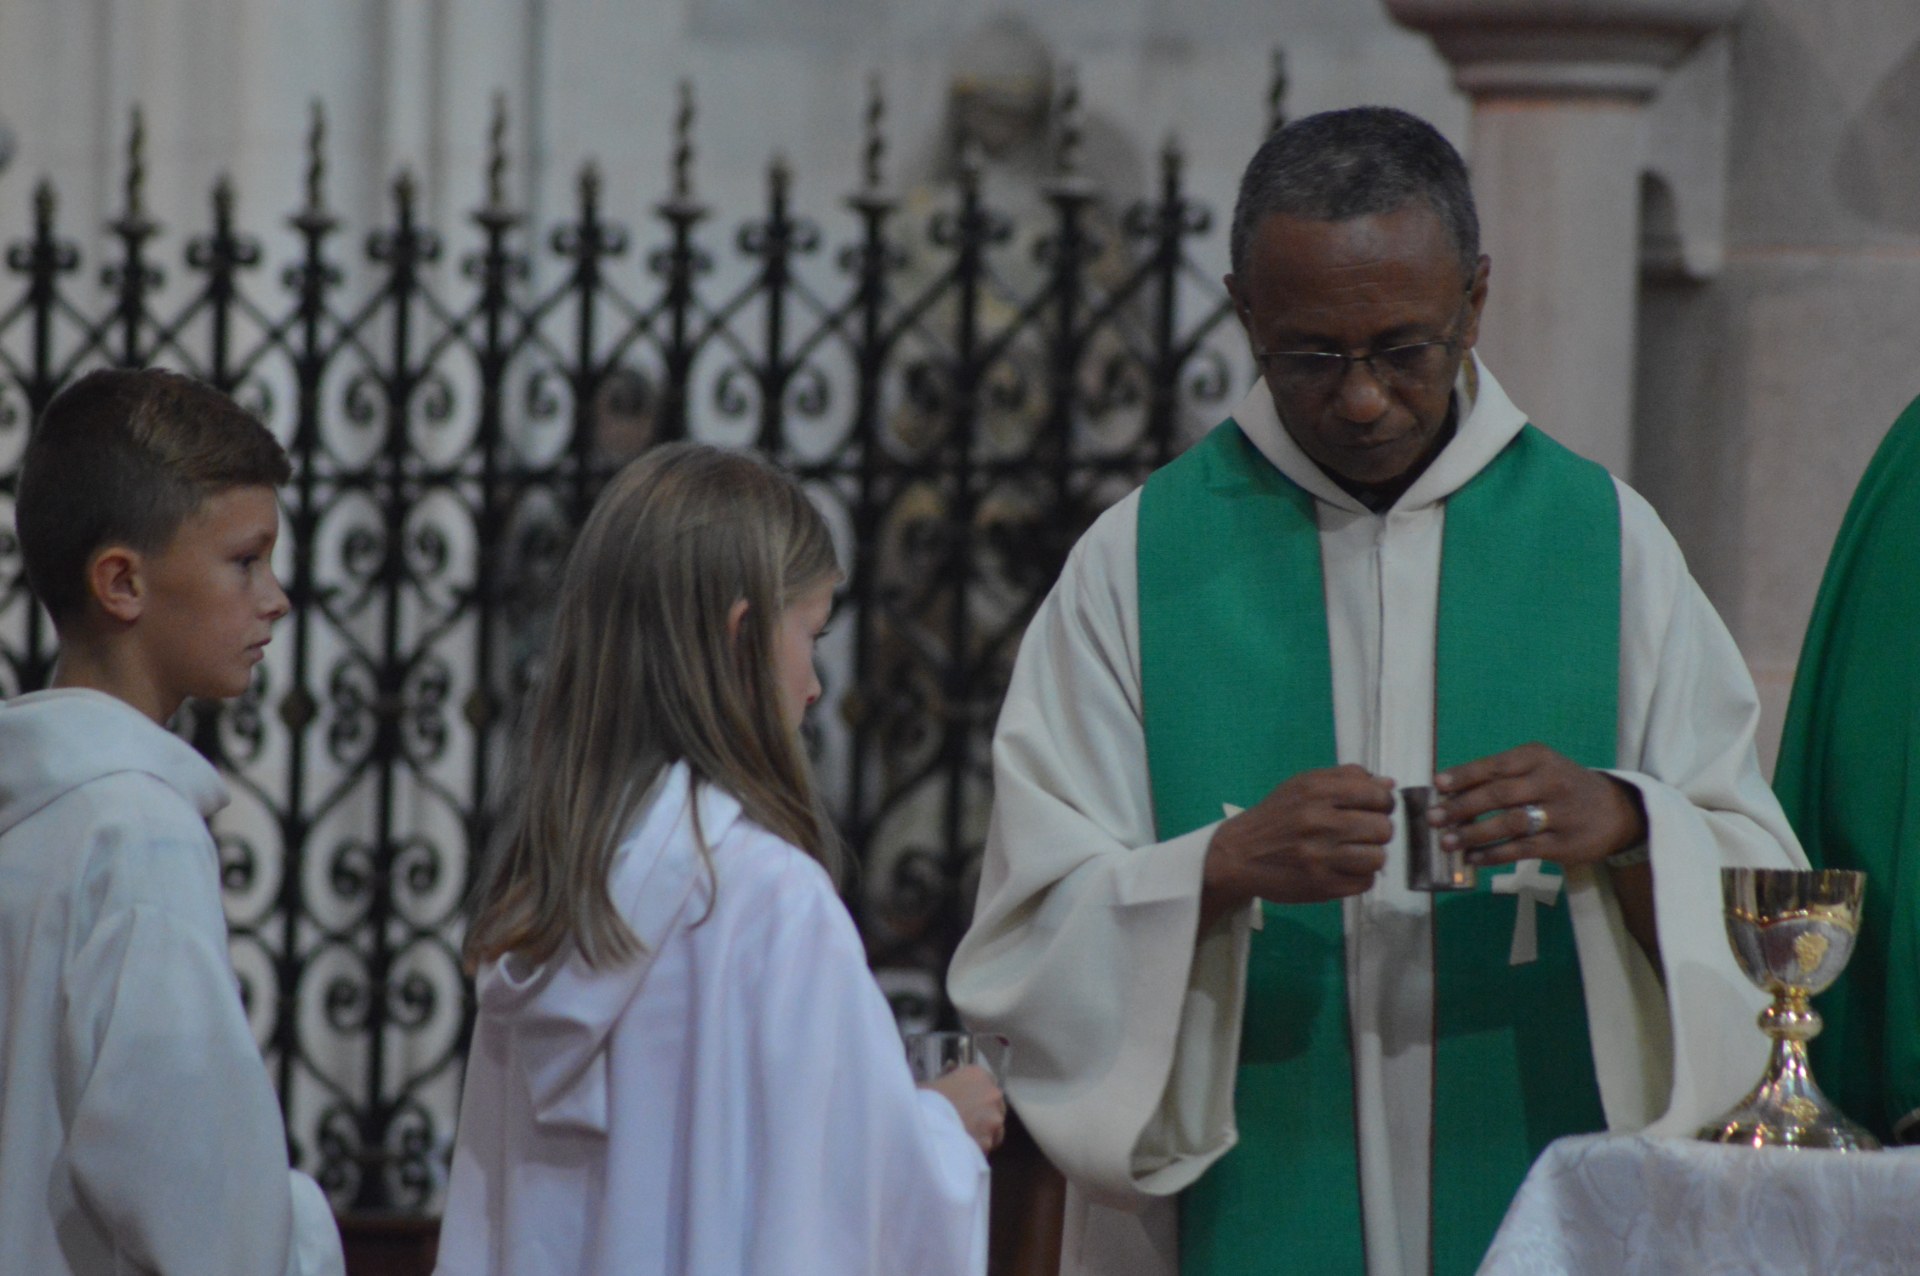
(1849, 778)
(1237, 688)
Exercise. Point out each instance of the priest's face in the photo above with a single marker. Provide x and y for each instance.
(1389, 286)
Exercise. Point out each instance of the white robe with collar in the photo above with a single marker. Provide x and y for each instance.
(138, 1129)
(736, 1100)
(1083, 942)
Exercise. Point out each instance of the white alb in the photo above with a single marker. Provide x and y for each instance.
(138, 1130)
(734, 1101)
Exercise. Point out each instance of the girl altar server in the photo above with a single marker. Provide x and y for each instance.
(681, 1063)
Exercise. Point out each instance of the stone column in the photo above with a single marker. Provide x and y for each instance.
(1561, 90)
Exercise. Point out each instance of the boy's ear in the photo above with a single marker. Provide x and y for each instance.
(735, 614)
(116, 580)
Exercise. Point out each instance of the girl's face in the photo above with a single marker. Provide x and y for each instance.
(793, 638)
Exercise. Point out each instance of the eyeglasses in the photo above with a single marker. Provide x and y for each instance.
(1320, 372)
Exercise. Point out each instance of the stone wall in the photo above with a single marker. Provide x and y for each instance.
(226, 86)
(1763, 393)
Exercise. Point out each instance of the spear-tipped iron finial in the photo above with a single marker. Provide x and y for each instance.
(683, 145)
(403, 194)
(589, 189)
(316, 157)
(876, 147)
(497, 153)
(137, 165)
(1067, 156)
(1277, 91)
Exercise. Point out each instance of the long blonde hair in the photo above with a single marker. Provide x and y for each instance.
(642, 672)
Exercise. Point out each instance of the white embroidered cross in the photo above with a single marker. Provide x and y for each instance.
(1529, 886)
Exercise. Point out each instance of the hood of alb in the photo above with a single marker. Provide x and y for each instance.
(55, 741)
(562, 1012)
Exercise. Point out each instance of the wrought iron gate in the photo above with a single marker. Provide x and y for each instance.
(961, 395)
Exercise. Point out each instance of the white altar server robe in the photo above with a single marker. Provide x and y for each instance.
(735, 1101)
(138, 1130)
(1083, 943)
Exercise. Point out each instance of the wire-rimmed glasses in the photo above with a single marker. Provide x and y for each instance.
(1320, 372)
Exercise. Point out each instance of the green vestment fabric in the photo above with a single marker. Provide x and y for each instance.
(1237, 686)
(1849, 778)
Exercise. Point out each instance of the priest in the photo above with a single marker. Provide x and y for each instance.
(1246, 1042)
(1846, 779)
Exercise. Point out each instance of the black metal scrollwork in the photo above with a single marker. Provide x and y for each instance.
(963, 395)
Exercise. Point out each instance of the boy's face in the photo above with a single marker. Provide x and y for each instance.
(212, 598)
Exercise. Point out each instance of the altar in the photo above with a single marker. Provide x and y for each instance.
(1622, 1204)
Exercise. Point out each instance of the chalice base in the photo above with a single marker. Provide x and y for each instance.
(1787, 1110)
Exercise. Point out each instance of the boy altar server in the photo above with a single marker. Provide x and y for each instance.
(138, 1130)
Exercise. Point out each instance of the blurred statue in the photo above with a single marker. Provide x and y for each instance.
(1008, 112)
(623, 420)
(1005, 120)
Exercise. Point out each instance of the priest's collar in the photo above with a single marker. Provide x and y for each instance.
(1483, 421)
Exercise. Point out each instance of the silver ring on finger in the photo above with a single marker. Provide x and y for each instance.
(1536, 818)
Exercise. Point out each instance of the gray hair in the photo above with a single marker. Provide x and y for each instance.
(1352, 163)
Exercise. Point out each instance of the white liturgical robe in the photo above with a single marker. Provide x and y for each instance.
(1083, 944)
(735, 1100)
(138, 1130)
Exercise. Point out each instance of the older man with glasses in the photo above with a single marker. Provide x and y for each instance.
(1244, 1036)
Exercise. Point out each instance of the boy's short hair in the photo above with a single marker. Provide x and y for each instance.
(123, 457)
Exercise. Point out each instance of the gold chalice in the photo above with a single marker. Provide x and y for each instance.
(1793, 932)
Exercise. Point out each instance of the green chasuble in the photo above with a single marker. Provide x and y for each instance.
(1237, 684)
(1849, 778)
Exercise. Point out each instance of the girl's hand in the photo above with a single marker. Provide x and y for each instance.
(974, 1095)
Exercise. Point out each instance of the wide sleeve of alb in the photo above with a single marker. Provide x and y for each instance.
(1083, 945)
(1678, 1049)
(857, 1171)
(175, 1141)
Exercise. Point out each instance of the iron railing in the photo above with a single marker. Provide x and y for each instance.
(962, 396)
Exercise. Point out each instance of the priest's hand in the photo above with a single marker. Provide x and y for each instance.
(977, 1098)
(1537, 804)
(1320, 835)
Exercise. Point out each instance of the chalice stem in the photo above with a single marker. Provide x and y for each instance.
(1787, 1108)
(1787, 1089)
(1792, 931)
(1788, 1080)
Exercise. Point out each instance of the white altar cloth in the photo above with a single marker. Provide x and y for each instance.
(1627, 1204)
